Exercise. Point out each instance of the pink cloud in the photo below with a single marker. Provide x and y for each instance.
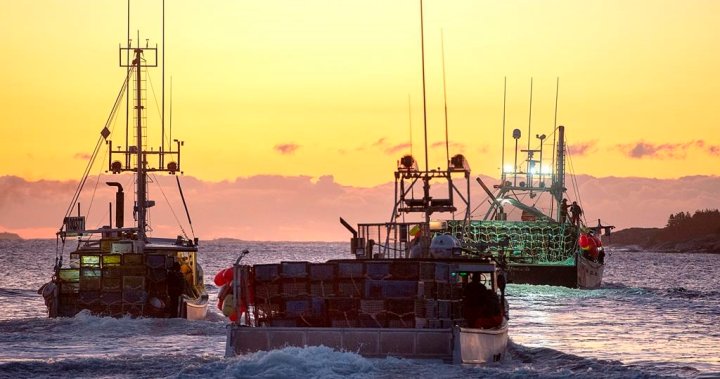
(82, 156)
(301, 208)
(393, 150)
(714, 150)
(456, 146)
(286, 148)
(663, 151)
(582, 148)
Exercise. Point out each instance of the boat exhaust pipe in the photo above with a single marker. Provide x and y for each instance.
(357, 245)
(119, 204)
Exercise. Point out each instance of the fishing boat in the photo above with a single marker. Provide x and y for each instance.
(115, 270)
(405, 292)
(375, 307)
(548, 241)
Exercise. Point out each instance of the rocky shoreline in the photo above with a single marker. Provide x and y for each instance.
(9, 236)
(652, 239)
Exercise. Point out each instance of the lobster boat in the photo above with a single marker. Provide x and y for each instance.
(118, 270)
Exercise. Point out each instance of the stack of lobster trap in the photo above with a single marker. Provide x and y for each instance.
(352, 293)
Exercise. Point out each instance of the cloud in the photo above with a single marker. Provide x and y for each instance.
(286, 148)
(302, 208)
(454, 146)
(662, 151)
(380, 142)
(582, 148)
(714, 150)
(393, 150)
(82, 156)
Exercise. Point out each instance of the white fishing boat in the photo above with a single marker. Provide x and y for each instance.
(338, 304)
(117, 270)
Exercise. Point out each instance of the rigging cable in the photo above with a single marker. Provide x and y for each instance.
(97, 147)
(170, 206)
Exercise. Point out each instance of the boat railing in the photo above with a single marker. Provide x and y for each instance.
(384, 240)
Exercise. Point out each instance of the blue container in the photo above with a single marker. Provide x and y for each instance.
(294, 269)
(266, 272)
(322, 271)
(399, 289)
(318, 307)
(297, 307)
(350, 270)
(377, 270)
(402, 270)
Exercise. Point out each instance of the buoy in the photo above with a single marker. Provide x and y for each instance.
(223, 276)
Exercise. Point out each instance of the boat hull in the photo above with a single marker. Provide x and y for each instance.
(538, 274)
(475, 346)
(589, 273)
(459, 345)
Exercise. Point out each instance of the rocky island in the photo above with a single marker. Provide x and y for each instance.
(684, 233)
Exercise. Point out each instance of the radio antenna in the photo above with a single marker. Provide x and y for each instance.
(410, 124)
(502, 167)
(447, 144)
(422, 52)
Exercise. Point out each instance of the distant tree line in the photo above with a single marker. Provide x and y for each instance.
(683, 225)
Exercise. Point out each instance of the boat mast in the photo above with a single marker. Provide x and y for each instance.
(559, 185)
(141, 175)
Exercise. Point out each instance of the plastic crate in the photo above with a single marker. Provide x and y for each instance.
(444, 309)
(377, 270)
(372, 307)
(398, 289)
(111, 260)
(350, 288)
(317, 307)
(297, 307)
(266, 272)
(323, 289)
(434, 271)
(89, 298)
(342, 307)
(111, 284)
(350, 270)
(294, 269)
(90, 261)
(132, 259)
(294, 288)
(322, 271)
(401, 307)
(89, 283)
(69, 275)
(266, 291)
(155, 261)
(111, 298)
(405, 270)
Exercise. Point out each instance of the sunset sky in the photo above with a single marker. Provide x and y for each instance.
(333, 88)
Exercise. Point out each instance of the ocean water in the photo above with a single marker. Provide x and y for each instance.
(656, 315)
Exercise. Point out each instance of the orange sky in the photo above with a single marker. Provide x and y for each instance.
(321, 87)
(288, 92)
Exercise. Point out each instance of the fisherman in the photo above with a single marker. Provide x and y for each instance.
(481, 305)
(564, 211)
(575, 213)
(415, 246)
(175, 287)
